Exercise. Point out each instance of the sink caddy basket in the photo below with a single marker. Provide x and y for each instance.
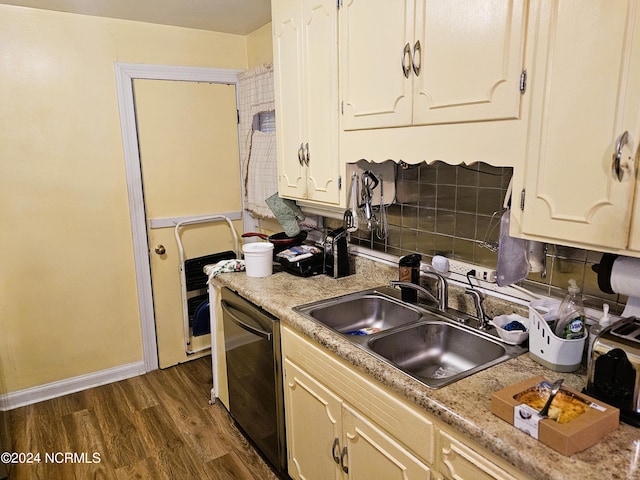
(551, 351)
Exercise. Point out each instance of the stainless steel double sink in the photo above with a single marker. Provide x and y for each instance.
(436, 348)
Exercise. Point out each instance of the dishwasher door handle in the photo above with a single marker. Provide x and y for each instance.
(227, 309)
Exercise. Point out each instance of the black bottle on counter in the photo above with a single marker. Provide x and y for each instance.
(409, 271)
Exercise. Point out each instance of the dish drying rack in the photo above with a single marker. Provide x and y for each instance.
(189, 284)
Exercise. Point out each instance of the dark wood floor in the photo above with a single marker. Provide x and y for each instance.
(156, 426)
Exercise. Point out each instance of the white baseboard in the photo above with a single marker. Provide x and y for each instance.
(20, 398)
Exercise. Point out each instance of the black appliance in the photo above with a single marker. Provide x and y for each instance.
(254, 375)
(336, 255)
(614, 370)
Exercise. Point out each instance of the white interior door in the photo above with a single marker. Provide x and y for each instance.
(188, 146)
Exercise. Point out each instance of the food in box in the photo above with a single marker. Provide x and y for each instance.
(564, 407)
(576, 421)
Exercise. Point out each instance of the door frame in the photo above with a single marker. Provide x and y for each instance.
(126, 73)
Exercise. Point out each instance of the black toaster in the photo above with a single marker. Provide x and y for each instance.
(614, 370)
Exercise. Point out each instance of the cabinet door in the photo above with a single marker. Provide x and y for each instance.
(289, 99)
(373, 454)
(374, 90)
(457, 460)
(634, 237)
(313, 425)
(471, 60)
(585, 96)
(320, 53)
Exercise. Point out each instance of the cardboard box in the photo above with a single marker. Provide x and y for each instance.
(576, 435)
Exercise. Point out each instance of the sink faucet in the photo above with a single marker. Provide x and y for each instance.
(441, 299)
(477, 301)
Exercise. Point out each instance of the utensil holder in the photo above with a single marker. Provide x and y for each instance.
(551, 351)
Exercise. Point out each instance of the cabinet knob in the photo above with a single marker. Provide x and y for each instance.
(406, 60)
(618, 168)
(335, 450)
(160, 250)
(417, 54)
(345, 467)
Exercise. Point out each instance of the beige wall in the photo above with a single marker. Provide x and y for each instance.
(68, 303)
(260, 46)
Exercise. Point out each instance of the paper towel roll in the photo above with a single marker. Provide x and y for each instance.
(632, 308)
(625, 280)
(625, 276)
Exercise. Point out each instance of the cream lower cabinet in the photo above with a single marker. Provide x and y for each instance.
(457, 460)
(341, 424)
(329, 439)
(306, 99)
(585, 104)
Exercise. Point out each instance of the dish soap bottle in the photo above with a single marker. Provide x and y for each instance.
(571, 315)
(596, 328)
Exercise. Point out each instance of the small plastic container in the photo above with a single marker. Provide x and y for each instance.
(551, 351)
(512, 337)
(258, 259)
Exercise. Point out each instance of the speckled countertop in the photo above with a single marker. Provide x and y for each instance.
(463, 405)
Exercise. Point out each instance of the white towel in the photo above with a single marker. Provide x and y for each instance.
(262, 177)
(513, 264)
(225, 266)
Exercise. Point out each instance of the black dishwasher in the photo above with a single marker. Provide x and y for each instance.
(254, 375)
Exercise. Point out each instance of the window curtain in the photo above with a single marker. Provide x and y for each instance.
(257, 148)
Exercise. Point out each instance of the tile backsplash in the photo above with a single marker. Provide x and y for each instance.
(455, 211)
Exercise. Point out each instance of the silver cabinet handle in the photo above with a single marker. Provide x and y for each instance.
(301, 155)
(406, 67)
(617, 156)
(228, 309)
(345, 468)
(307, 155)
(335, 450)
(417, 54)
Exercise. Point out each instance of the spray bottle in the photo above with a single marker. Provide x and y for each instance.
(595, 329)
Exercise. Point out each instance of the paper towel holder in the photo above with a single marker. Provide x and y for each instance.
(603, 269)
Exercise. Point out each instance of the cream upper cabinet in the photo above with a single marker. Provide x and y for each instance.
(584, 126)
(306, 98)
(419, 62)
(374, 90)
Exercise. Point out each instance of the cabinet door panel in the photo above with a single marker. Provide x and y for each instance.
(471, 60)
(373, 454)
(321, 113)
(373, 35)
(586, 97)
(312, 423)
(289, 100)
(460, 461)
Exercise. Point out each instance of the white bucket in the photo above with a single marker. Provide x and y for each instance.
(258, 259)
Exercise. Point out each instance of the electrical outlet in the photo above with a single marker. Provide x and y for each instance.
(482, 273)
